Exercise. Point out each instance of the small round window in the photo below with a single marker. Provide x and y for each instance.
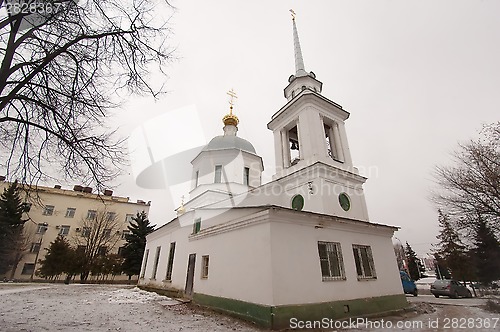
(297, 202)
(344, 201)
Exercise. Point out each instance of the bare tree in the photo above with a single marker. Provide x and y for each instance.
(65, 65)
(99, 234)
(471, 187)
(22, 246)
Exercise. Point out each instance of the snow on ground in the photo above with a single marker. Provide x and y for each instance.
(75, 307)
(59, 307)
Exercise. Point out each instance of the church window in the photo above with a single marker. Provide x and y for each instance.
(170, 264)
(155, 265)
(204, 267)
(297, 202)
(345, 202)
(196, 225)
(196, 176)
(363, 258)
(218, 174)
(144, 263)
(246, 176)
(331, 261)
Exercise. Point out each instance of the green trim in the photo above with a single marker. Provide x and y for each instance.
(336, 310)
(279, 317)
(257, 313)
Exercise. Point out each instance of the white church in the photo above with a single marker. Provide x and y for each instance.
(301, 246)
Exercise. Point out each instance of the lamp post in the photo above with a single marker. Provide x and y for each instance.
(42, 228)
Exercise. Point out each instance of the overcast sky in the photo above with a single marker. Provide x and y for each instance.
(416, 76)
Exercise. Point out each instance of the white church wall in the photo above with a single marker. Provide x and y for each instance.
(296, 264)
(239, 265)
(163, 238)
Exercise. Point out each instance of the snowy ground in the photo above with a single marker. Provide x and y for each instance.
(59, 307)
(75, 307)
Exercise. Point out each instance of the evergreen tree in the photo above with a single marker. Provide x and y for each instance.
(487, 252)
(412, 259)
(60, 258)
(11, 227)
(451, 250)
(133, 250)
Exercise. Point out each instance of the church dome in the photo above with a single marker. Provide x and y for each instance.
(229, 142)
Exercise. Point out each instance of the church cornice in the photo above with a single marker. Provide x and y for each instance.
(274, 213)
(307, 96)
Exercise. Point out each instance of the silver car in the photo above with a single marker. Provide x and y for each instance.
(451, 288)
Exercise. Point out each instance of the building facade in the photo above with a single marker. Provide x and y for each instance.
(72, 214)
(301, 246)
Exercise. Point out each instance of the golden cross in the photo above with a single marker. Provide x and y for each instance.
(233, 96)
(293, 14)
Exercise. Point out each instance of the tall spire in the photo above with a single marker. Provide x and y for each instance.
(299, 61)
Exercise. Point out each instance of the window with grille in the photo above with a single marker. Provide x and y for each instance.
(110, 216)
(204, 267)
(331, 261)
(48, 210)
(70, 212)
(363, 258)
(170, 265)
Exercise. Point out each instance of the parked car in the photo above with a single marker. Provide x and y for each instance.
(451, 288)
(409, 286)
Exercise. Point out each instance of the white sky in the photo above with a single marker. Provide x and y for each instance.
(416, 76)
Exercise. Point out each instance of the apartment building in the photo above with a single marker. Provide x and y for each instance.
(68, 212)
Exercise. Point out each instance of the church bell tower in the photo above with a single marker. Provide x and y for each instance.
(309, 127)
(311, 147)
